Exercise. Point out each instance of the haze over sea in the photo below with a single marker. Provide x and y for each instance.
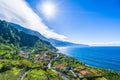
(101, 57)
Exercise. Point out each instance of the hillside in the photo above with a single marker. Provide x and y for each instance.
(11, 35)
(59, 43)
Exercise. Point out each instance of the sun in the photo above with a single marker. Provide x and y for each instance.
(48, 9)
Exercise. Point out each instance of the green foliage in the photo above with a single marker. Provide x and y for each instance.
(10, 74)
(85, 79)
(5, 47)
(11, 35)
(25, 63)
(1, 65)
(41, 75)
(8, 56)
(111, 75)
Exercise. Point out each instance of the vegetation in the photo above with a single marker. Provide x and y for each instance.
(10, 35)
(13, 64)
(26, 57)
(39, 74)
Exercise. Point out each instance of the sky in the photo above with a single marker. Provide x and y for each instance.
(19, 12)
(94, 22)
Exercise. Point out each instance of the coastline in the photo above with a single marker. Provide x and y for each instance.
(63, 50)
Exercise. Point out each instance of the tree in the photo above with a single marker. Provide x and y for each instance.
(25, 63)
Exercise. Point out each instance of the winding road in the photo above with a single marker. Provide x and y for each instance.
(22, 74)
(73, 73)
(49, 67)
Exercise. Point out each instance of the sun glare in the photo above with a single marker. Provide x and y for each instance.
(48, 9)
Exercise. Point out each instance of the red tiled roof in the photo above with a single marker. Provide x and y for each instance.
(59, 66)
(84, 72)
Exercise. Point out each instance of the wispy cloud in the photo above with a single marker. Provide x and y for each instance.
(18, 11)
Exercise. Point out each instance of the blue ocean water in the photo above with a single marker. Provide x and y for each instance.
(102, 57)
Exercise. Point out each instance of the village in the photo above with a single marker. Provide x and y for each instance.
(61, 65)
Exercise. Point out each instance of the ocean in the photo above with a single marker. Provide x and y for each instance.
(100, 57)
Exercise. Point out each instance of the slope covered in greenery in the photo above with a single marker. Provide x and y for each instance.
(9, 34)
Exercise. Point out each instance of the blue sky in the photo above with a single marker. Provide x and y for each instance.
(81, 21)
(85, 21)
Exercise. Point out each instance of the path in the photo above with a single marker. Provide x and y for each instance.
(73, 73)
(49, 66)
(22, 73)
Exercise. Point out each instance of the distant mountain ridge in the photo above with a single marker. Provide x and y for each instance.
(59, 43)
(54, 42)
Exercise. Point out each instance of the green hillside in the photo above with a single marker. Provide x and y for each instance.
(11, 35)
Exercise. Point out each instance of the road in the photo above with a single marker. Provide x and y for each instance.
(49, 66)
(73, 73)
(22, 74)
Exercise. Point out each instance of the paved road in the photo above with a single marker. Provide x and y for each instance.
(64, 77)
(22, 74)
(49, 66)
(73, 73)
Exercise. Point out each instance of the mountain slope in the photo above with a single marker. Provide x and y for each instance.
(29, 31)
(57, 43)
(11, 35)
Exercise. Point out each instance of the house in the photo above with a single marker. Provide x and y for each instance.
(84, 72)
(39, 58)
(24, 54)
(60, 66)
